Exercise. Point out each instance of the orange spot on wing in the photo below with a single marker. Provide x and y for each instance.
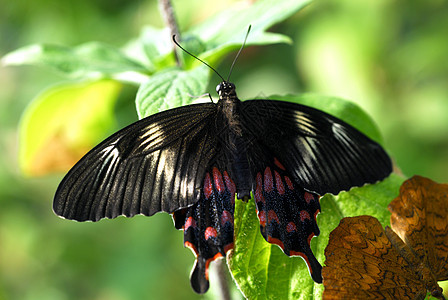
(258, 195)
(226, 217)
(308, 197)
(208, 188)
(210, 232)
(207, 263)
(229, 183)
(310, 237)
(291, 227)
(304, 215)
(289, 183)
(228, 247)
(192, 247)
(276, 242)
(189, 223)
(219, 183)
(279, 183)
(272, 216)
(278, 164)
(268, 180)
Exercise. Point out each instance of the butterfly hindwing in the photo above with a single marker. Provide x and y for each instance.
(208, 224)
(287, 214)
(322, 153)
(155, 164)
(286, 211)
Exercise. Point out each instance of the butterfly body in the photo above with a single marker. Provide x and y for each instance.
(192, 161)
(235, 143)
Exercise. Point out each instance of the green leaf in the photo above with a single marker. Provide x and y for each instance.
(153, 48)
(171, 88)
(263, 271)
(225, 31)
(340, 108)
(63, 123)
(88, 60)
(174, 87)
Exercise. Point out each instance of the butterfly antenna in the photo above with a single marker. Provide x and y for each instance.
(239, 52)
(194, 56)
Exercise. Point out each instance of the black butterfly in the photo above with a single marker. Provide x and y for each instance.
(191, 161)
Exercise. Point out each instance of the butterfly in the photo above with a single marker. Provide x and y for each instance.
(404, 261)
(193, 161)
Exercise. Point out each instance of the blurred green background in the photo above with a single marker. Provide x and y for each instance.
(388, 56)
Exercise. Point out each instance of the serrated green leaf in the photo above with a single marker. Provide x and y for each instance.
(345, 110)
(88, 60)
(171, 88)
(263, 271)
(225, 31)
(63, 123)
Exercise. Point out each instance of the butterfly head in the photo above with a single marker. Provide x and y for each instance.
(226, 89)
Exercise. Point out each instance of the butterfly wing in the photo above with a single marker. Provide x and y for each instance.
(362, 263)
(322, 153)
(286, 211)
(420, 217)
(297, 153)
(155, 164)
(208, 224)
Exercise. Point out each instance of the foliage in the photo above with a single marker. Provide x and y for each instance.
(338, 52)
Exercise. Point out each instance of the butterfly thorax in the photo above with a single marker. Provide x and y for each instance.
(229, 105)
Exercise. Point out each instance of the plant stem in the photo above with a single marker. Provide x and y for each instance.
(222, 276)
(167, 11)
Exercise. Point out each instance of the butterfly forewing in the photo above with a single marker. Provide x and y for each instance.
(323, 153)
(155, 164)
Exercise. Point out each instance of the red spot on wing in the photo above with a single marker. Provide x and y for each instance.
(228, 247)
(192, 247)
(219, 183)
(305, 258)
(301, 254)
(279, 183)
(208, 188)
(276, 241)
(304, 215)
(289, 183)
(291, 227)
(268, 180)
(229, 183)
(279, 164)
(258, 195)
(210, 232)
(226, 217)
(308, 197)
(310, 237)
(189, 223)
(272, 216)
(207, 263)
